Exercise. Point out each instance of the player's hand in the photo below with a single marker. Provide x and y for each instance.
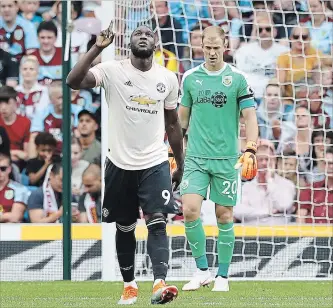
(106, 37)
(248, 162)
(177, 178)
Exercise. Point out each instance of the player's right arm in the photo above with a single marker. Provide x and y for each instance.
(80, 77)
(186, 102)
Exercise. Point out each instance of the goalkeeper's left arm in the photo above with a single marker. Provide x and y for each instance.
(248, 160)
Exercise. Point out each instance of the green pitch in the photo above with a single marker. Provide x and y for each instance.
(102, 294)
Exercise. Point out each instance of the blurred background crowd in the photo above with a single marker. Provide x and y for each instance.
(284, 47)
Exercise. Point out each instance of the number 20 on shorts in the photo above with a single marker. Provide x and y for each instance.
(229, 187)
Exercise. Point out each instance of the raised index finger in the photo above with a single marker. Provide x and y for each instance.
(111, 26)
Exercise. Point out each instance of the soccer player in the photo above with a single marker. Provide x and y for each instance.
(142, 98)
(212, 97)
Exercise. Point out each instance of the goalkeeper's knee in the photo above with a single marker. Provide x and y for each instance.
(156, 223)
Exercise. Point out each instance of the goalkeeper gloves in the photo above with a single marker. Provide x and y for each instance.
(248, 161)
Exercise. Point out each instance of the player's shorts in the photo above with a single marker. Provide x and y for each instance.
(128, 190)
(219, 174)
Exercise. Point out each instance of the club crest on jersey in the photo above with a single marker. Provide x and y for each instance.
(160, 87)
(18, 34)
(9, 194)
(227, 80)
(143, 100)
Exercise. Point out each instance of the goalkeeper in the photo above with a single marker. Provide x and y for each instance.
(212, 96)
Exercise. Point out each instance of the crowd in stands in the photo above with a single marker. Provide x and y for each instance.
(284, 47)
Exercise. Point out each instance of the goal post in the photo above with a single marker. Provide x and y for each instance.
(275, 252)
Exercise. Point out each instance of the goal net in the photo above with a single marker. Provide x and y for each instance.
(283, 231)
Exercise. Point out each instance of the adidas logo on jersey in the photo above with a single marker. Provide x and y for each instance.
(128, 83)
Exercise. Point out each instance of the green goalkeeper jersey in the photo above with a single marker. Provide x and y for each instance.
(215, 99)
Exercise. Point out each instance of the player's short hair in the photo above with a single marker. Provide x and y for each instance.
(56, 168)
(30, 58)
(6, 93)
(144, 25)
(47, 26)
(45, 138)
(218, 31)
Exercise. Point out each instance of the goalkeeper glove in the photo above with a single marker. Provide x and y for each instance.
(248, 161)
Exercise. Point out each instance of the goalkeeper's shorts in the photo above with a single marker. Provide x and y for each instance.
(219, 174)
(126, 191)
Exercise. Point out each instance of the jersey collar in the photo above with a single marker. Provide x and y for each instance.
(213, 73)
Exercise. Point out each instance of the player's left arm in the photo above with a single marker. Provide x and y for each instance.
(247, 105)
(173, 128)
(251, 125)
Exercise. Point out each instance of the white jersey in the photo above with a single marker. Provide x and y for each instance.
(136, 103)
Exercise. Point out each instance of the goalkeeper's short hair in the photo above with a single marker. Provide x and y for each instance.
(218, 30)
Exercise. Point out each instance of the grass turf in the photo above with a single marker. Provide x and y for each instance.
(104, 294)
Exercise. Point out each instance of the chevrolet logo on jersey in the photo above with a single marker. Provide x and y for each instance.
(143, 100)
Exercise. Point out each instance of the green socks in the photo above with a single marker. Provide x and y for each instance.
(225, 247)
(196, 238)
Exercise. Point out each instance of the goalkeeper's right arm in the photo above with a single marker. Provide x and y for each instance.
(184, 116)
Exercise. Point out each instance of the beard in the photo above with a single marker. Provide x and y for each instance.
(142, 54)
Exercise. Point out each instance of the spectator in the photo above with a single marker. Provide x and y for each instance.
(324, 78)
(299, 62)
(188, 14)
(320, 27)
(32, 96)
(45, 204)
(300, 140)
(89, 7)
(171, 29)
(310, 96)
(17, 35)
(90, 205)
(50, 119)
(194, 53)
(17, 126)
(320, 140)
(29, 12)
(262, 201)
(79, 40)
(36, 167)
(49, 56)
(220, 12)
(166, 58)
(78, 166)
(263, 8)
(87, 128)
(13, 196)
(258, 58)
(8, 69)
(287, 14)
(287, 167)
(315, 202)
(4, 142)
(270, 115)
(84, 99)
